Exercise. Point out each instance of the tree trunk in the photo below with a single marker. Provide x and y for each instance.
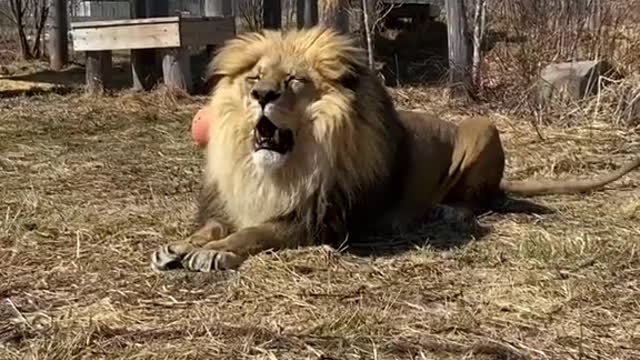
(368, 17)
(459, 54)
(335, 15)
(41, 14)
(25, 51)
(595, 15)
(58, 37)
(271, 14)
(478, 36)
(18, 9)
(307, 13)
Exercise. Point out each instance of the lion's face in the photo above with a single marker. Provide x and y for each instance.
(294, 109)
(282, 94)
(277, 93)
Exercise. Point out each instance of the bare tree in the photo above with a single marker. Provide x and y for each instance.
(26, 14)
(372, 12)
(250, 13)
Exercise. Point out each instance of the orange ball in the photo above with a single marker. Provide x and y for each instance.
(200, 128)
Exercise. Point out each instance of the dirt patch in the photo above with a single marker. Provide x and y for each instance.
(91, 186)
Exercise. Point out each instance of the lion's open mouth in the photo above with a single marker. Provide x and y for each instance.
(267, 136)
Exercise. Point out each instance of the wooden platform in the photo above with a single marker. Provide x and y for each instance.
(174, 34)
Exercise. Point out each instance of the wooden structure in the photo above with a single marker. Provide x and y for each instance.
(171, 34)
(411, 13)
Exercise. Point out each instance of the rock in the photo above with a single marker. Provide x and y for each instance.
(571, 80)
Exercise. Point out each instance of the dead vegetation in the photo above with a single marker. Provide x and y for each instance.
(89, 187)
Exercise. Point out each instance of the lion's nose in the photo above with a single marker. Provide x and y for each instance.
(265, 94)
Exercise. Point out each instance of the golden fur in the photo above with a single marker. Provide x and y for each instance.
(355, 166)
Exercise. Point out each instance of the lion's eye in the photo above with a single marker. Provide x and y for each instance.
(295, 82)
(253, 78)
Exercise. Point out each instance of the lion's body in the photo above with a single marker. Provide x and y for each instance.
(354, 165)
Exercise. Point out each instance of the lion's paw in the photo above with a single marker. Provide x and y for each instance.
(169, 257)
(448, 213)
(206, 260)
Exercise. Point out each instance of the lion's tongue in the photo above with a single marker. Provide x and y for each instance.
(270, 137)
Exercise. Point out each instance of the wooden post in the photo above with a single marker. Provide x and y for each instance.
(335, 14)
(58, 40)
(142, 60)
(176, 70)
(459, 49)
(271, 14)
(307, 13)
(98, 71)
(310, 13)
(300, 7)
(216, 8)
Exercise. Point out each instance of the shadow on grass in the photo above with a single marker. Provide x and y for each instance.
(437, 233)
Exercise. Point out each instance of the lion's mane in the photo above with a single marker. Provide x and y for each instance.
(352, 147)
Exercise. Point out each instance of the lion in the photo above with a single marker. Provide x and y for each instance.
(307, 148)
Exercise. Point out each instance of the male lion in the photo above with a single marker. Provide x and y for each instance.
(307, 148)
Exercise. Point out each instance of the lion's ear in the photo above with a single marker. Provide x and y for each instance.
(239, 54)
(335, 56)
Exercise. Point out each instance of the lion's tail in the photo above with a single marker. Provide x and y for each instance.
(566, 186)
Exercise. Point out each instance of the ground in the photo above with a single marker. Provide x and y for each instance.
(91, 186)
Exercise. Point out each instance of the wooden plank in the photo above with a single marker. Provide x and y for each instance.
(125, 22)
(206, 30)
(145, 36)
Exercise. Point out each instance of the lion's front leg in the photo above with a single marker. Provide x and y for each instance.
(170, 256)
(230, 252)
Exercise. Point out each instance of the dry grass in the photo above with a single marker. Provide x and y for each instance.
(89, 187)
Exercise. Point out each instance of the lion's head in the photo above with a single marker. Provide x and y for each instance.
(296, 110)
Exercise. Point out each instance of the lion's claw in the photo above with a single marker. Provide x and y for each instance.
(205, 260)
(169, 257)
(174, 256)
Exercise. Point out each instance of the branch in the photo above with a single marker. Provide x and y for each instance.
(8, 17)
(381, 17)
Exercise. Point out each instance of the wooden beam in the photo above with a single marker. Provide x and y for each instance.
(152, 33)
(127, 36)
